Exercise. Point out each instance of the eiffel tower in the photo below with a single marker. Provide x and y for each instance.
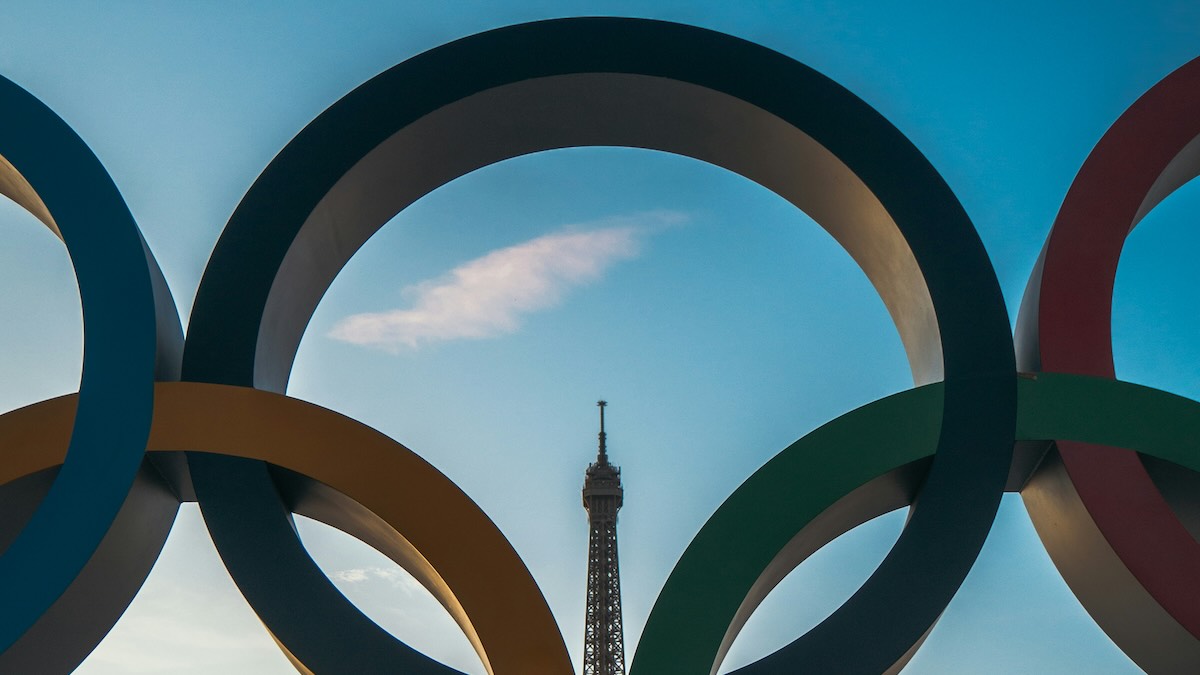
(603, 636)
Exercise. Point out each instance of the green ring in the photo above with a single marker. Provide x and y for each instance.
(735, 548)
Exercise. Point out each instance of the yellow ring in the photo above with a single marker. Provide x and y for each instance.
(497, 604)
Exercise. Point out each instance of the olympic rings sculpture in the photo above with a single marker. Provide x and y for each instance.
(90, 483)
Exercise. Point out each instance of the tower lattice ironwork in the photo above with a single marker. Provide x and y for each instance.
(604, 637)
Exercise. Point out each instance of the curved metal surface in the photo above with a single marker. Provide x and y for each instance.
(57, 555)
(498, 605)
(1139, 561)
(766, 528)
(87, 530)
(660, 86)
(76, 623)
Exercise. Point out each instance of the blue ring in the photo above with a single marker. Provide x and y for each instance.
(119, 344)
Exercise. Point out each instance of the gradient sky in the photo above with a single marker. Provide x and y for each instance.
(719, 322)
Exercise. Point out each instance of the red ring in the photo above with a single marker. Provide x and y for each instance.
(1143, 158)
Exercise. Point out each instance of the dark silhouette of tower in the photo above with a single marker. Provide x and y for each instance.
(603, 636)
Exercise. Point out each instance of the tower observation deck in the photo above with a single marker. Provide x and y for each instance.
(604, 639)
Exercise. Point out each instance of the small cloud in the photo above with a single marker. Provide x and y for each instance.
(487, 296)
(396, 576)
(351, 576)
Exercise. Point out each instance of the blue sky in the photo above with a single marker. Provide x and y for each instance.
(719, 322)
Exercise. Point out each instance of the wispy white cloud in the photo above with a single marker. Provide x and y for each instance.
(488, 296)
(354, 576)
(396, 576)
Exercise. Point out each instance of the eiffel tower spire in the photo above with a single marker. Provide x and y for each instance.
(603, 639)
